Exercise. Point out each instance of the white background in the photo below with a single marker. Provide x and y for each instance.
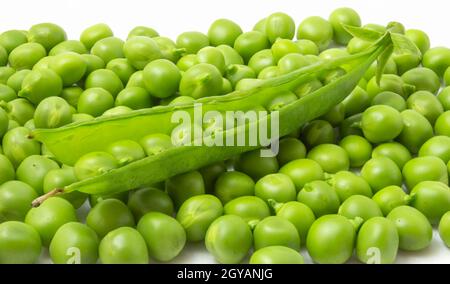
(171, 17)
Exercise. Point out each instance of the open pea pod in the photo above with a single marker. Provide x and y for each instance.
(70, 142)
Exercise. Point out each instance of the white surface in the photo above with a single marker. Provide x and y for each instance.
(170, 17)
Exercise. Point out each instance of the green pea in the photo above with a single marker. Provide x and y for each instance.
(276, 255)
(50, 216)
(356, 45)
(16, 79)
(33, 169)
(196, 215)
(95, 101)
(143, 31)
(389, 82)
(252, 164)
(290, 149)
(15, 199)
(320, 197)
(74, 243)
(318, 132)
(377, 119)
(146, 200)
(52, 112)
(426, 168)
(7, 171)
(229, 239)
(275, 231)
(122, 67)
(106, 79)
(356, 102)
(291, 62)
(4, 122)
(426, 104)
(211, 173)
(262, 59)
(278, 187)
(335, 115)
(391, 99)
(47, 34)
(416, 130)
(168, 48)
(249, 43)
(438, 146)
(330, 157)
(279, 25)
(187, 61)
(444, 98)
(140, 50)
(419, 38)
(26, 55)
(230, 55)
(123, 246)
(340, 17)
(226, 86)
(11, 39)
(447, 77)
(161, 78)
(94, 199)
(359, 206)
(347, 184)
(79, 117)
(331, 239)
(302, 171)
(390, 68)
(134, 98)
(5, 73)
(94, 164)
(19, 243)
(299, 214)
(444, 229)
(164, 236)
(3, 56)
(126, 151)
(307, 47)
(424, 79)
(154, 144)
(231, 185)
(260, 26)
(93, 63)
(442, 125)
(282, 47)
(249, 208)
(201, 80)
(268, 72)
(316, 29)
(377, 241)
(223, 31)
(17, 146)
(40, 84)
(13, 124)
(183, 186)
(74, 46)
(406, 62)
(192, 41)
(432, 198)
(398, 153)
(390, 197)
(381, 172)
(118, 110)
(414, 230)
(109, 48)
(71, 95)
(437, 59)
(358, 149)
(59, 178)
(237, 72)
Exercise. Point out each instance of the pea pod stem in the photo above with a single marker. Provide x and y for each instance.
(38, 201)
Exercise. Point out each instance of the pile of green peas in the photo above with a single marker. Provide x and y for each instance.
(370, 177)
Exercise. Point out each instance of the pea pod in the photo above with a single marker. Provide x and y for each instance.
(85, 137)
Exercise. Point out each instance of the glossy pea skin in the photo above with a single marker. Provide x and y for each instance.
(231, 185)
(143, 31)
(356, 102)
(26, 55)
(398, 153)
(447, 77)
(52, 112)
(109, 48)
(283, 99)
(187, 61)
(230, 55)
(282, 47)
(94, 164)
(50, 216)
(19, 110)
(123, 246)
(93, 63)
(444, 97)
(299, 214)
(40, 84)
(15, 200)
(196, 215)
(316, 29)
(229, 239)
(390, 99)
(424, 79)
(320, 197)
(376, 120)
(237, 72)
(95, 101)
(416, 130)
(432, 199)
(302, 171)
(126, 151)
(122, 67)
(276, 255)
(33, 169)
(426, 168)
(183, 186)
(340, 17)
(390, 197)
(278, 187)
(211, 173)
(118, 110)
(413, 228)
(249, 43)
(4, 122)
(19, 243)
(437, 59)
(161, 78)
(7, 93)
(360, 206)
(426, 104)
(290, 149)
(108, 215)
(356, 45)
(192, 41)
(389, 82)
(7, 171)
(291, 62)
(134, 98)
(164, 236)
(213, 56)
(444, 229)
(16, 79)
(71, 95)
(332, 158)
(331, 239)
(377, 241)
(381, 172)
(59, 178)
(106, 79)
(11, 39)
(146, 200)
(74, 235)
(358, 149)
(141, 50)
(223, 31)
(265, 165)
(347, 184)
(419, 38)
(335, 115)
(3, 56)
(279, 25)
(442, 125)
(438, 146)
(17, 146)
(201, 80)
(318, 132)
(270, 72)
(74, 46)
(262, 59)
(154, 144)
(307, 47)
(275, 231)
(70, 66)
(95, 33)
(249, 208)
